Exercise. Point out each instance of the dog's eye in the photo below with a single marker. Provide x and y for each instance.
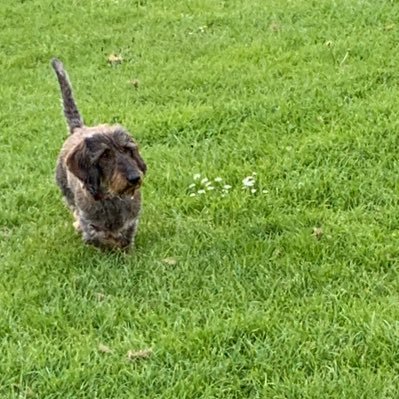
(107, 154)
(129, 150)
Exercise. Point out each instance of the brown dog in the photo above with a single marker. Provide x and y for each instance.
(99, 172)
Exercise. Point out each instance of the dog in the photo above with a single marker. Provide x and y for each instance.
(99, 171)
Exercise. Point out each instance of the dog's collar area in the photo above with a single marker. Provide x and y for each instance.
(105, 197)
(102, 197)
(98, 197)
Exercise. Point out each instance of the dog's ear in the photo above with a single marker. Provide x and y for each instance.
(81, 162)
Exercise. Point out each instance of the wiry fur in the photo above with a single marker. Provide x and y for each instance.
(71, 112)
(99, 172)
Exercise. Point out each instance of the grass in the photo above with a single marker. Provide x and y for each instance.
(252, 301)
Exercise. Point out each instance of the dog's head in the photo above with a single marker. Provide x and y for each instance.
(108, 163)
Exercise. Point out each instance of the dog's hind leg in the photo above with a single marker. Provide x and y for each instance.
(62, 181)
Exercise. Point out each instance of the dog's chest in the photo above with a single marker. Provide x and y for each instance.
(113, 214)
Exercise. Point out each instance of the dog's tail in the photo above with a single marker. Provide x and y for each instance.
(71, 112)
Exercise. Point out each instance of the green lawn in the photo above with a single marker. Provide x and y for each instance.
(291, 291)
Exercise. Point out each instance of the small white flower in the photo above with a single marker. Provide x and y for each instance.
(210, 187)
(197, 176)
(191, 185)
(265, 191)
(201, 191)
(253, 191)
(227, 187)
(192, 195)
(218, 179)
(249, 181)
(208, 183)
(204, 180)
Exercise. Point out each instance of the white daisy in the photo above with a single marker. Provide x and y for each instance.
(249, 181)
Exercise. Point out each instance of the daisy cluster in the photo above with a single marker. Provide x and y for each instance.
(202, 185)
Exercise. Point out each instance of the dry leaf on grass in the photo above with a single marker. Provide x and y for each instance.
(138, 355)
(99, 296)
(278, 252)
(25, 392)
(135, 83)
(317, 232)
(170, 261)
(104, 348)
(114, 59)
(275, 26)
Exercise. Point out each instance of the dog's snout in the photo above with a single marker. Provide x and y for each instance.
(133, 178)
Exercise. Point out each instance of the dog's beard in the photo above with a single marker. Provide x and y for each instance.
(127, 192)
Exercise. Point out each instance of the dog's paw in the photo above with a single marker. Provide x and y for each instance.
(77, 226)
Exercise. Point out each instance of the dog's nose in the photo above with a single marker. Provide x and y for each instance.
(133, 178)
